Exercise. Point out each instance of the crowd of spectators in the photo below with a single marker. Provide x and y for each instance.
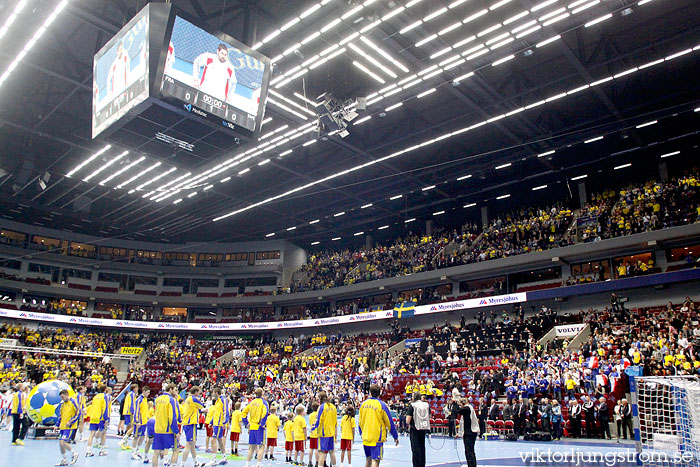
(495, 360)
(53, 353)
(639, 207)
(415, 253)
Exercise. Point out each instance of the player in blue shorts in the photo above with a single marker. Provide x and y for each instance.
(190, 416)
(100, 409)
(326, 423)
(150, 433)
(375, 423)
(220, 419)
(167, 427)
(129, 413)
(141, 412)
(255, 416)
(69, 414)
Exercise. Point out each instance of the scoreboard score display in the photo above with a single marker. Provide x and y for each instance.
(161, 57)
(215, 76)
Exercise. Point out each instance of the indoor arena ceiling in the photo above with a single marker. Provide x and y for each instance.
(471, 103)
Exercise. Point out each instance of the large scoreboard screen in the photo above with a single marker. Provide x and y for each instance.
(120, 79)
(221, 80)
(163, 58)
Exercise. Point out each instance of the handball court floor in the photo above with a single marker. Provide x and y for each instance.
(440, 452)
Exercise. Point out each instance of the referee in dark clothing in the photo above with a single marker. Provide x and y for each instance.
(417, 436)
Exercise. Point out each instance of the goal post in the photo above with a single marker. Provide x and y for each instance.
(666, 411)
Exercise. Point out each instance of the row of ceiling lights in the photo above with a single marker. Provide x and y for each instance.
(464, 177)
(256, 151)
(414, 79)
(463, 130)
(159, 196)
(427, 73)
(35, 37)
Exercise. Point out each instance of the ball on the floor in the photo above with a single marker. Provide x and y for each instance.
(44, 399)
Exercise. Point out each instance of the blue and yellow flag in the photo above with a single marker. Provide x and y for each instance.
(405, 310)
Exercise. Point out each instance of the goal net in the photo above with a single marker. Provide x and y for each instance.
(667, 420)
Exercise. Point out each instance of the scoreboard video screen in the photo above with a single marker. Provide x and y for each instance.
(121, 74)
(213, 78)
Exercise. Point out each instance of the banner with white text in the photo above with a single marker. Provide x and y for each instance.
(498, 300)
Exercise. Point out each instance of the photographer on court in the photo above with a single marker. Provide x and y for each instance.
(470, 422)
(418, 419)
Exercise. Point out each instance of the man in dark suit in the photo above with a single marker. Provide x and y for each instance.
(508, 411)
(519, 414)
(575, 417)
(588, 410)
(603, 416)
(483, 415)
(626, 414)
(494, 411)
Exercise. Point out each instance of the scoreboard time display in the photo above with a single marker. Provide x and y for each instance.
(161, 55)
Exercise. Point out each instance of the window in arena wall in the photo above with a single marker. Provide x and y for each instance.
(77, 273)
(236, 257)
(634, 265)
(263, 255)
(83, 250)
(112, 252)
(203, 311)
(71, 307)
(213, 257)
(10, 237)
(688, 254)
(177, 282)
(42, 268)
(114, 310)
(46, 243)
(540, 275)
(122, 279)
(197, 283)
(10, 264)
(235, 314)
(148, 256)
(177, 256)
(172, 311)
(144, 280)
(484, 287)
(234, 283)
(142, 312)
(261, 281)
(7, 296)
(591, 271)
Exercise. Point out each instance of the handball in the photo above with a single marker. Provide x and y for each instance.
(44, 400)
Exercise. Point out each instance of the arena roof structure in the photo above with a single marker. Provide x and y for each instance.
(470, 103)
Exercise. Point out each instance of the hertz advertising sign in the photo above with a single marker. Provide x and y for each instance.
(130, 350)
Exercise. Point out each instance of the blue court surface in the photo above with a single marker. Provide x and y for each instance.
(440, 451)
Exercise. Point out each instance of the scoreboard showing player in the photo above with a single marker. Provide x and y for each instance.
(163, 62)
(218, 79)
(120, 78)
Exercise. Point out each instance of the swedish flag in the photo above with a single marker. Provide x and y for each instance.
(405, 310)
